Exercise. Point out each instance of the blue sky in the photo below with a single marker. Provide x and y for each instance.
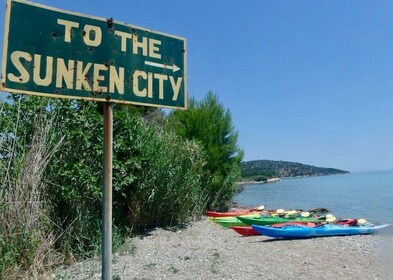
(305, 81)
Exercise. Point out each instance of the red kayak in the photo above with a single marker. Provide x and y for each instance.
(245, 231)
(240, 212)
(229, 214)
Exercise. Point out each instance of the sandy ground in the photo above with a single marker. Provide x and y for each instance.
(204, 250)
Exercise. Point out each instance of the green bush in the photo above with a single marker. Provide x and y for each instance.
(157, 175)
(169, 188)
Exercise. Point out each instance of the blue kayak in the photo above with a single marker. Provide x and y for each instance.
(325, 230)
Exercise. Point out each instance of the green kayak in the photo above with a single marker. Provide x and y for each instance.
(263, 221)
(232, 221)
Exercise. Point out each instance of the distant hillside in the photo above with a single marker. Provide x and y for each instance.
(262, 169)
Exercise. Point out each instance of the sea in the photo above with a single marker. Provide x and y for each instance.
(367, 195)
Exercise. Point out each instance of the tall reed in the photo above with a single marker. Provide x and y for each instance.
(25, 229)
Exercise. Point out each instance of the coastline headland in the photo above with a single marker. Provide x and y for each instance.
(266, 171)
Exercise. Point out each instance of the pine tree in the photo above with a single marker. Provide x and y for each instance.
(211, 124)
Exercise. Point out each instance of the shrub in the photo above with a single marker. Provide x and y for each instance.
(157, 176)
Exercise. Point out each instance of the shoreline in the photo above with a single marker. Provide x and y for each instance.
(203, 250)
(270, 180)
(241, 183)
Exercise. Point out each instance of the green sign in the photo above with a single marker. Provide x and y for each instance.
(55, 53)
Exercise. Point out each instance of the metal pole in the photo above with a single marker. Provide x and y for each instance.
(107, 194)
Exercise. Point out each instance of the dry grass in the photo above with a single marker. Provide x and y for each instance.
(25, 236)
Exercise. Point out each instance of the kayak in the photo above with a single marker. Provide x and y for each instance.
(231, 221)
(228, 221)
(229, 214)
(215, 219)
(249, 231)
(245, 230)
(260, 210)
(324, 230)
(234, 213)
(261, 220)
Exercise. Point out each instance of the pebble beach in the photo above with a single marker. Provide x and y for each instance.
(204, 250)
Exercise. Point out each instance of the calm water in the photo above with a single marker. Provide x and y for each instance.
(358, 195)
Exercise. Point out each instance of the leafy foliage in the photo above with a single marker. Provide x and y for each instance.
(157, 175)
(166, 171)
(209, 123)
